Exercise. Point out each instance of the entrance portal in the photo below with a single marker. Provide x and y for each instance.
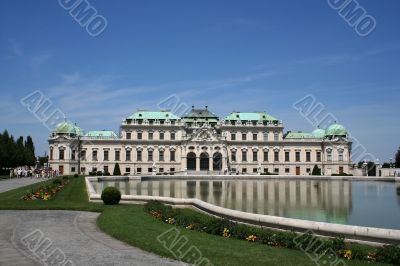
(191, 161)
(204, 162)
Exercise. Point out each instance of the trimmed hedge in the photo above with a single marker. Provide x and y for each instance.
(111, 196)
(229, 229)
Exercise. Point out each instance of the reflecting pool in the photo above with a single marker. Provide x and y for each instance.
(365, 203)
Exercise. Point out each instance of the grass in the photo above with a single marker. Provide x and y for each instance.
(131, 224)
(71, 197)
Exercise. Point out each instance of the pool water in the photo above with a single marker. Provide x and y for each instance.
(364, 203)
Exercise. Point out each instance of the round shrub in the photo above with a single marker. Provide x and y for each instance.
(111, 196)
(76, 175)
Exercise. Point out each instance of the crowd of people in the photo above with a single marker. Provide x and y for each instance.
(27, 171)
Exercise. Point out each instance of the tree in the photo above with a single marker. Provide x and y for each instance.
(316, 170)
(397, 158)
(117, 171)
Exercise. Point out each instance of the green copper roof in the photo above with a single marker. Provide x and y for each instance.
(336, 130)
(256, 116)
(149, 115)
(200, 115)
(299, 135)
(67, 127)
(101, 133)
(318, 133)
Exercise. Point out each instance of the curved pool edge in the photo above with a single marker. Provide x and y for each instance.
(356, 233)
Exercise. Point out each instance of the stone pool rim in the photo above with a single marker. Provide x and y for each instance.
(371, 235)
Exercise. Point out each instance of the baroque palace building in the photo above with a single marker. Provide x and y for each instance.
(200, 143)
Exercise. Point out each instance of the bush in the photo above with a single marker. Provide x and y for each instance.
(338, 243)
(65, 177)
(76, 175)
(316, 170)
(99, 173)
(342, 174)
(107, 174)
(111, 196)
(388, 254)
(57, 182)
(116, 171)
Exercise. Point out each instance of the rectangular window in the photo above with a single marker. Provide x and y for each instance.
(117, 155)
(308, 156)
(276, 156)
(172, 135)
(139, 135)
(265, 156)
(329, 156)
(340, 156)
(265, 136)
(150, 156)
(105, 155)
(161, 156)
(297, 156)
(73, 155)
(244, 156)
(161, 170)
(128, 155)
(172, 169)
(276, 170)
(149, 170)
(51, 154)
(318, 156)
(287, 156)
(254, 136)
(83, 155)
(254, 170)
(287, 170)
(308, 170)
(276, 136)
(233, 156)
(128, 135)
(61, 154)
(94, 169)
(244, 136)
(139, 170)
(73, 169)
(127, 170)
(233, 136)
(255, 159)
(150, 135)
(94, 155)
(139, 155)
(244, 170)
(172, 155)
(105, 168)
(161, 135)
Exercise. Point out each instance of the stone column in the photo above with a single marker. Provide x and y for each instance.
(197, 163)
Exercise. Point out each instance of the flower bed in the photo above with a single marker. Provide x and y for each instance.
(292, 240)
(47, 190)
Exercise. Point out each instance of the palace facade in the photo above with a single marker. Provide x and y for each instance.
(200, 142)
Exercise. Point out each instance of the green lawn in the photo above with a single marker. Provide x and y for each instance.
(131, 224)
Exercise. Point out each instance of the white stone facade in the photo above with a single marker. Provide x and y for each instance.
(202, 145)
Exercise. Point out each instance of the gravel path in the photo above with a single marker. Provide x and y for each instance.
(9, 184)
(64, 238)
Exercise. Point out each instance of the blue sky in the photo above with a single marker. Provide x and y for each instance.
(229, 55)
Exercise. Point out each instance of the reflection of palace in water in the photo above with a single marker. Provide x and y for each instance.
(306, 199)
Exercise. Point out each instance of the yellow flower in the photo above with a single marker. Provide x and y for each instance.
(347, 254)
(226, 233)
